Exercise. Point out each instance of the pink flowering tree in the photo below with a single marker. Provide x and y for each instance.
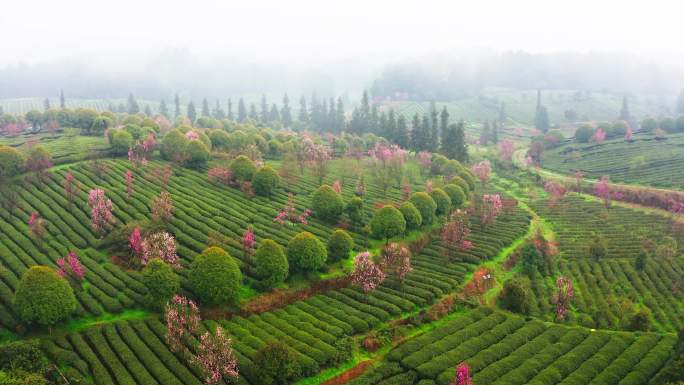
(367, 274)
(215, 357)
(248, 242)
(462, 375)
(483, 171)
(556, 191)
(506, 148)
(629, 133)
(455, 232)
(70, 267)
(36, 226)
(564, 294)
(425, 160)
(388, 164)
(130, 188)
(396, 258)
(69, 186)
(405, 191)
(603, 190)
(162, 207)
(220, 175)
(135, 242)
(290, 215)
(100, 210)
(491, 208)
(337, 186)
(316, 156)
(599, 135)
(182, 321)
(159, 245)
(141, 150)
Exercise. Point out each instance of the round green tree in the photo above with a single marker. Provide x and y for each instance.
(278, 364)
(387, 222)
(306, 252)
(411, 215)
(584, 133)
(11, 161)
(173, 146)
(215, 277)
(456, 195)
(271, 263)
(243, 168)
(425, 205)
(442, 200)
(219, 139)
(515, 296)
(354, 211)
(161, 283)
(327, 204)
(469, 178)
(197, 154)
(340, 245)
(44, 297)
(121, 141)
(265, 181)
(460, 182)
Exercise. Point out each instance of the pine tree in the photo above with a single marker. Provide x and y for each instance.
(402, 135)
(253, 112)
(192, 114)
(339, 118)
(332, 114)
(323, 117)
(46, 104)
(122, 108)
(460, 145)
(218, 111)
(230, 110)
(163, 109)
(176, 102)
(110, 107)
(382, 125)
(373, 120)
(303, 116)
(274, 115)
(485, 134)
(286, 112)
(148, 110)
(443, 123)
(390, 132)
(415, 133)
(365, 105)
(242, 111)
(539, 102)
(62, 101)
(133, 107)
(424, 134)
(264, 109)
(495, 132)
(541, 121)
(205, 108)
(624, 111)
(680, 102)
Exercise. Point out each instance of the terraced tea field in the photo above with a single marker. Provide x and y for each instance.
(64, 149)
(505, 349)
(645, 161)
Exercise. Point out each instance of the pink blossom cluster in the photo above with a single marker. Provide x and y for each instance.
(388, 153)
(397, 258)
(366, 273)
(69, 186)
(455, 232)
(603, 190)
(289, 213)
(564, 294)
(483, 171)
(36, 226)
(100, 209)
(220, 175)
(135, 242)
(629, 133)
(556, 190)
(316, 156)
(337, 186)
(70, 266)
(182, 321)
(599, 135)
(141, 150)
(215, 357)
(405, 191)
(491, 208)
(162, 207)
(248, 242)
(192, 135)
(425, 159)
(247, 189)
(159, 245)
(130, 188)
(506, 147)
(462, 375)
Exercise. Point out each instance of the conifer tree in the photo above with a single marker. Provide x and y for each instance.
(274, 115)
(495, 132)
(218, 111)
(373, 120)
(163, 109)
(459, 143)
(332, 114)
(242, 111)
(443, 123)
(402, 135)
(264, 109)
(415, 133)
(339, 117)
(230, 110)
(148, 110)
(133, 107)
(485, 134)
(253, 112)
(286, 112)
(303, 115)
(205, 108)
(176, 101)
(624, 111)
(541, 122)
(192, 113)
(46, 104)
(62, 101)
(390, 131)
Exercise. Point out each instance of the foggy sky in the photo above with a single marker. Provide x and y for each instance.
(121, 34)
